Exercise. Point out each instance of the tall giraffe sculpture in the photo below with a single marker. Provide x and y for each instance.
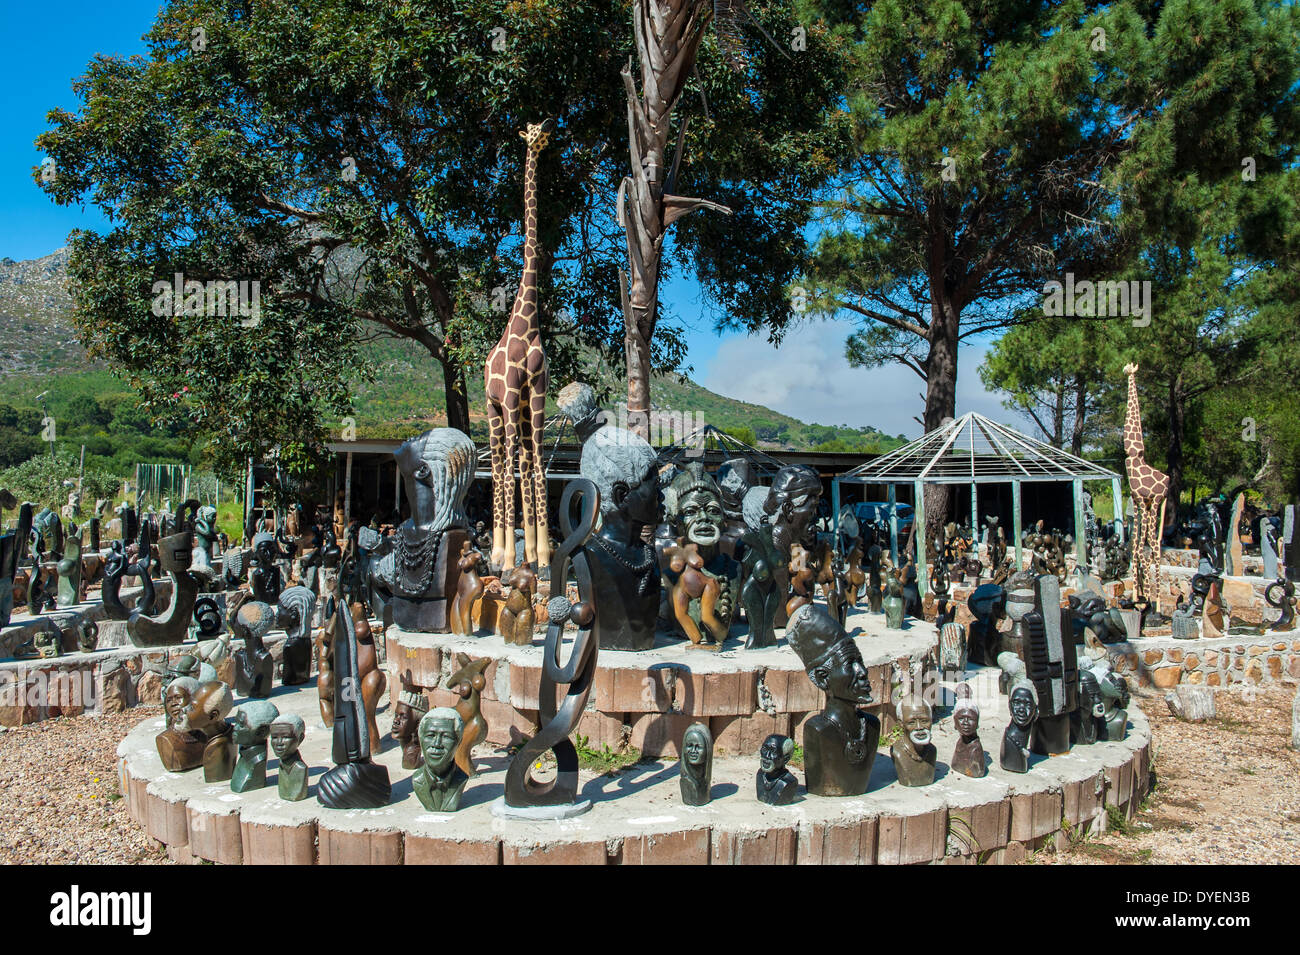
(1149, 488)
(516, 377)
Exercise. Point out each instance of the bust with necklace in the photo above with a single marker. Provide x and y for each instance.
(416, 570)
(839, 743)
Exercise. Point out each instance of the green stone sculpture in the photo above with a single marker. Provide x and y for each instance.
(287, 732)
(69, 567)
(438, 784)
(252, 722)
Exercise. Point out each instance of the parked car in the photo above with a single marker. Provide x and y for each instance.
(877, 513)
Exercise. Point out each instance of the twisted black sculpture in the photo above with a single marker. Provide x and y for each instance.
(521, 791)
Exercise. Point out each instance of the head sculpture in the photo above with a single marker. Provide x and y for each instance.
(625, 470)
(209, 707)
(253, 720)
(437, 469)
(1023, 702)
(830, 656)
(775, 752)
(177, 699)
(1091, 702)
(753, 507)
(698, 514)
(914, 754)
(440, 730)
(696, 764)
(966, 716)
(735, 478)
(915, 717)
(287, 733)
(792, 504)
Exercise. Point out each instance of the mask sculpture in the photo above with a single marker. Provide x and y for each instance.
(695, 767)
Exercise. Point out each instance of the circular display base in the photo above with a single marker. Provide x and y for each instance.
(637, 815)
(537, 813)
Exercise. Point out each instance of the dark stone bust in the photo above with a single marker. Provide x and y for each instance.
(839, 743)
(1023, 701)
(914, 754)
(695, 767)
(968, 754)
(775, 785)
(624, 566)
(1088, 721)
(788, 512)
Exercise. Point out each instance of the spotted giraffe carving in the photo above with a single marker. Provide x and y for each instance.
(516, 376)
(1149, 488)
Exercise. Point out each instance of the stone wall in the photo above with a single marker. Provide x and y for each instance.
(1252, 660)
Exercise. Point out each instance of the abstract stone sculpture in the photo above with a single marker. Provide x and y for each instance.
(914, 754)
(517, 618)
(417, 571)
(11, 549)
(1023, 701)
(199, 734)
(625, 580)
(704, 581)
(355, 782)
(559, 795)
(469, 682)
(968, 754)
(695, 768)
(254, 665)
(893, 603)
(1051, 664)
(294, 613)
(172, 625)
(71, 590)
(439, 782)
(287, 733)
(789, 509)
(775, 785)
(1115, 700)
(252, 728)
(469, 588)
(839, 742)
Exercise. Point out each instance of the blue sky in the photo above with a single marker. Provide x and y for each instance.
(44, 47)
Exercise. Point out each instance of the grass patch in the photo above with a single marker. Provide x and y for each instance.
(605, 761)
(1116, 822)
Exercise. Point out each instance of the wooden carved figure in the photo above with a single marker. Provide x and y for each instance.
(516, 378)
(854, 574)
(468, 682)
(694, 584)
(802, 576)
(1149, 488)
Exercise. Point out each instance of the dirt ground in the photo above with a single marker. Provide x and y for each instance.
(1226, 791)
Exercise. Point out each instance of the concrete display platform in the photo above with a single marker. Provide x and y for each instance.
(649, 697)
(638, 816)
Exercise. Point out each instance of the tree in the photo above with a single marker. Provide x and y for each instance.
(1055, 371)
(1000, 146)
(361, 162)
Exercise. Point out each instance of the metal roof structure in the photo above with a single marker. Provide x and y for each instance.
(973, 449)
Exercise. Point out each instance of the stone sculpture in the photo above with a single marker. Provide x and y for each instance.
(11, 548)
(914, 754)
(735, 477)
(952, 649)
(294, 613)
(287, 733)
(468, 683)
(968, 753)
(42, 587)
(893, 603)
(68, 567)
(839, 742)
(439, 782)
(1052, 666)
(411, 707)
(469, 588)
(254, 665)
(1088, 721)
(775, 784)
(517, 618)
(1115, 700)
(557, 797)
(875, 590)
(1281, 595)
(789, 508)
(624, 568)
(695, 768)
(205, 540)
(199, 734)
(172, 625)
(417, 570)
(264, 577)
(1023, 701)
(355, 782)
(515, 381)
(252, 728)
(704, 582)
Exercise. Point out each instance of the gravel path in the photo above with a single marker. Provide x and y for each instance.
(58, 785)
(1226, 791)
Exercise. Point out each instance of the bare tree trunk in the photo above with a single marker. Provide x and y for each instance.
(668, 34)
(1080, 414)
(940, 397)
(453, 376)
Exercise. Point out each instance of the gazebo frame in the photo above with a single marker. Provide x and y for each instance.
(975, 450)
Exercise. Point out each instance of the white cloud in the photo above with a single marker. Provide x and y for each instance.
(808, 377)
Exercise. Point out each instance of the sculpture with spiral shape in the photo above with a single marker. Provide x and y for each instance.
(524, 796)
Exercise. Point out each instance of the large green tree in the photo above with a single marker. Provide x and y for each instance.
(1002, 145)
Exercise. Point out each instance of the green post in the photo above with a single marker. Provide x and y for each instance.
(918, 534)
(835, 510)
(1015, 519)
(1117, 508)
(893, 525)
(974, 513)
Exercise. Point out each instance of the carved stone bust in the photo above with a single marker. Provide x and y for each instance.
(839, 742)
(775, 784)
(914, 754)
(1023, 701)
(438, 783)
(696, 765)
(968, 754)
(287, 733)
(252, 728)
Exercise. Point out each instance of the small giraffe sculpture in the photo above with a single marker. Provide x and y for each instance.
(1149, 488)
(516, 377)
